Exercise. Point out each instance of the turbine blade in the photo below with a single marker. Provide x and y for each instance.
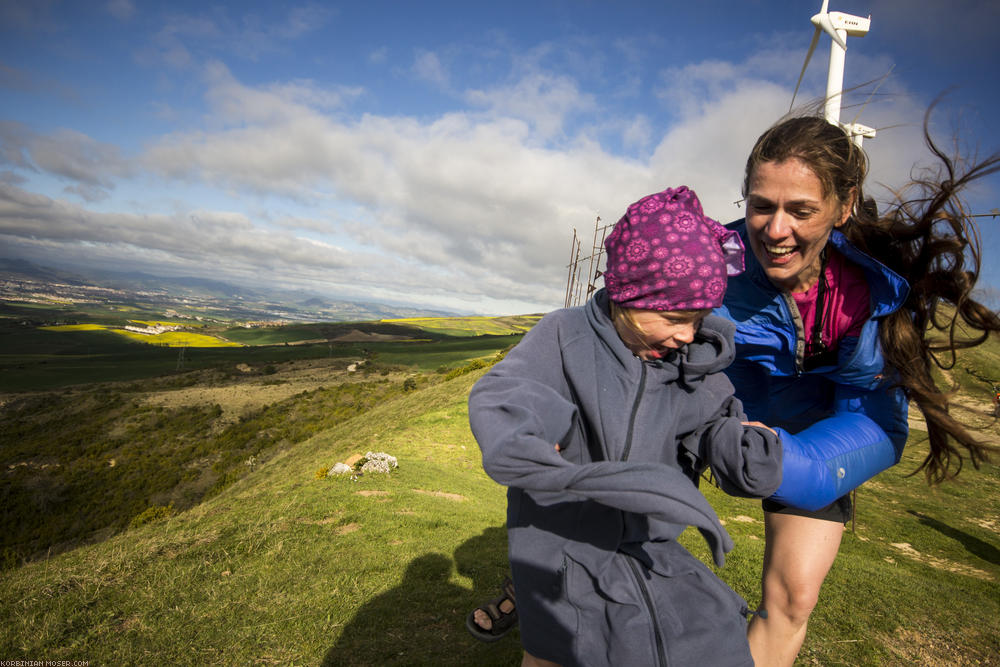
(809, 53)
(822, 9)
(823, 21)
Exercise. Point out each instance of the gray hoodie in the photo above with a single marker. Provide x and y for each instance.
(592, 528)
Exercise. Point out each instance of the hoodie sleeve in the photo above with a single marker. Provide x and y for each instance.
(746, 460)
(520, 409)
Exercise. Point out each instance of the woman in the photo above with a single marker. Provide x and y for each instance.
(833, 315)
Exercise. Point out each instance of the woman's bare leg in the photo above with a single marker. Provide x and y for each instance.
(798, 555)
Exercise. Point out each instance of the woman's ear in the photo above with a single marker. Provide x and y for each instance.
(849, 205)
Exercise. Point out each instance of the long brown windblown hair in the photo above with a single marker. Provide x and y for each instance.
(927, 236)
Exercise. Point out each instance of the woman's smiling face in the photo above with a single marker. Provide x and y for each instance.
(789, 220)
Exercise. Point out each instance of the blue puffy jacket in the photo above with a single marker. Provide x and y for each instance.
(840, 424)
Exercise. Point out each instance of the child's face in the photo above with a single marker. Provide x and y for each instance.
(661, 331)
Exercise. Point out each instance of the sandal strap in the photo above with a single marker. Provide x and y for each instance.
(508, 589)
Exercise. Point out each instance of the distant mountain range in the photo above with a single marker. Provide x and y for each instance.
(245, 301)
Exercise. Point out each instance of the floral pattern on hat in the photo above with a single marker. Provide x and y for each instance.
(666, 254)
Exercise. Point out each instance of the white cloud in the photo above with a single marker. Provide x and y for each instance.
(188, 38)
(65, 153)
(427, 66)
(472, 209)
(543, 100)
(637, 133)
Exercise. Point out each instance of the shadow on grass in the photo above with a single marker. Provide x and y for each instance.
(422, 620)
(973, 545)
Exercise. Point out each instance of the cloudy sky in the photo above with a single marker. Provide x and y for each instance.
(434, 153)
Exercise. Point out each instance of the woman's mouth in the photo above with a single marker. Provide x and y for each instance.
(779, 253)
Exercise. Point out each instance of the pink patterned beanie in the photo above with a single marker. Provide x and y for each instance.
(665, 254)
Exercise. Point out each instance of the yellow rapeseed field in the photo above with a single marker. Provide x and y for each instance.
(168, 338)
(75, 327)
(178, 339)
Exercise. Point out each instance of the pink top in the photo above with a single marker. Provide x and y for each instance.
(845, 304)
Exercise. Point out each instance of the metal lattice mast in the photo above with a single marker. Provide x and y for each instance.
(575, 290)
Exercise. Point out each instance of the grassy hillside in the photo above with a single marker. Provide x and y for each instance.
(38, 354)
(283, 567)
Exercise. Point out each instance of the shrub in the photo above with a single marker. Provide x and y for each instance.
(473, 365)
(151, 514)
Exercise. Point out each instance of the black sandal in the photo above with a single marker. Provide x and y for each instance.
(503, 621)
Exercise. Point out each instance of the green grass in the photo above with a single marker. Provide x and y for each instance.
(92, 461)
(471, 326)
(282, 568)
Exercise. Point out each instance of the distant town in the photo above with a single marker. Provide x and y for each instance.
(186, 298)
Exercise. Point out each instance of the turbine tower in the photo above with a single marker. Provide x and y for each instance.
(839, 26)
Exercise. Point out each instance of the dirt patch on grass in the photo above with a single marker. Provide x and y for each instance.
(442, 494)
(907, 550)
(348, 528)
(325, 521)
(990, 524)
(371, 493)
(913, 647)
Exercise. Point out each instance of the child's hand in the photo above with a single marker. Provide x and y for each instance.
(558, 448)
(747, 424)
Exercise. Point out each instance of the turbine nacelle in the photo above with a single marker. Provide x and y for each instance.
(839, 26)
(831, 22)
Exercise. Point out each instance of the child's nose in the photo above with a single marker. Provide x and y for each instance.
(686, 333)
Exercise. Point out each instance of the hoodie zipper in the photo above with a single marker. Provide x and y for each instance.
(661, 656)
(635, 411)
(657, 636)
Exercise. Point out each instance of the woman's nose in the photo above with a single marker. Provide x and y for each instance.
(779, 226)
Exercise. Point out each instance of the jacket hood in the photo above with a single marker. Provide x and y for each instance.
(711, 351)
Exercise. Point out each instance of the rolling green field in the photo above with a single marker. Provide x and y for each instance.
(470, 326)
(42, 348)
(279, 566)
(285, 568)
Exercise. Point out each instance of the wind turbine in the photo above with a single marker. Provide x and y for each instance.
(839, 26)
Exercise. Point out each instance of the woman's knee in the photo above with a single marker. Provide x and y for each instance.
(793, 600)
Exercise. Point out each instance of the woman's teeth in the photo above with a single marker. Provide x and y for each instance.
(779, 250)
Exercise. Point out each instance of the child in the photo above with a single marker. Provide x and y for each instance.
(600, 422)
